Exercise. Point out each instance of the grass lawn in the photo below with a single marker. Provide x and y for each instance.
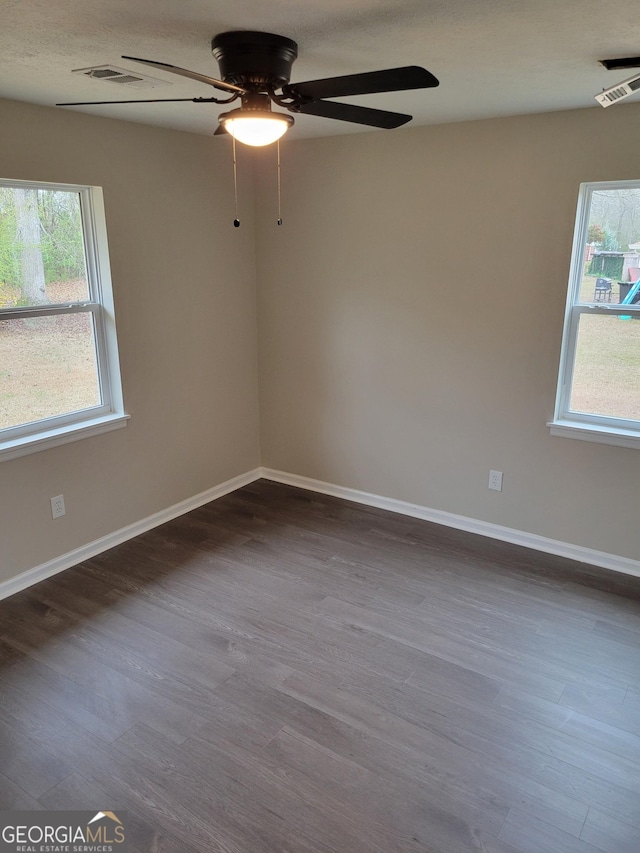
(47, 364)
(606, 377)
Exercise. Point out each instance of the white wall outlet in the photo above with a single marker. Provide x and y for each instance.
(495, 480)
(57, 506)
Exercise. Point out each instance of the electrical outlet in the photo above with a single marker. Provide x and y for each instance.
(57, 506)
(495, 480)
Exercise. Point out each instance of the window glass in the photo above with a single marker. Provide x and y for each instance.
(47, 367)
(58, 351)
(606, 375)
(612, 242)
(42, 258)
(599, 377)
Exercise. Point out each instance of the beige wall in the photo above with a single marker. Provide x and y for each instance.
(410, 315)
(184, 282)
(410, 312)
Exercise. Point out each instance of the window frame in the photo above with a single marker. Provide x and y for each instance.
(22, 439)
(566, 422)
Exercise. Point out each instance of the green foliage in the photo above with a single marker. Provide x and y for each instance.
(596, 235)
(9, 262)
(606, 266)
(61, 244)
(617, 213)
(603, 238)
(610, 244)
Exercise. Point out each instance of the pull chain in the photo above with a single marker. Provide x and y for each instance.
(236, 221)
(279, 188)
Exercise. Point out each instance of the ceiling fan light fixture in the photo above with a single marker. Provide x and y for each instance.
(255, 127)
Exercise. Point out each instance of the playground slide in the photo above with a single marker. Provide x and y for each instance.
(633, 290)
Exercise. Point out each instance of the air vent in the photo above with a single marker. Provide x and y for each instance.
(618, 92)
(113, 74)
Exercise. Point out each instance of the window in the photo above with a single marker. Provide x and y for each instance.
(598, 395)
(59, 372)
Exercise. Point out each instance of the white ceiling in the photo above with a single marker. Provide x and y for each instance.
(493, 57)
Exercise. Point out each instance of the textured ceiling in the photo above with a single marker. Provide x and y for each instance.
(493, 58)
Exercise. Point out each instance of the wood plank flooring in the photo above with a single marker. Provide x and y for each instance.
(283, 672)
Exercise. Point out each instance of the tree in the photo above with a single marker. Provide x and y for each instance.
(596, 235)
(61, 233)
(618, 213)
(29, 241)
(9, 264)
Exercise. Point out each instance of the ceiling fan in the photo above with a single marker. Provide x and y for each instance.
(256, 68)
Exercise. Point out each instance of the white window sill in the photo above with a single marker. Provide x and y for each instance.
(599, 434)
(62, 435)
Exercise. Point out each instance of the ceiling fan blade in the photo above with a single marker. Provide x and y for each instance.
(192, 75)
(145, 101)
(351, 112)
(220, 131)
(391, 80)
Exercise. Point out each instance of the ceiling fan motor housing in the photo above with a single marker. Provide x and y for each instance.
(255, 60)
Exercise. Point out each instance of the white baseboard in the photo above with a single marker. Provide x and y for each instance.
(92, 549)
(447, 519)
(461, 522)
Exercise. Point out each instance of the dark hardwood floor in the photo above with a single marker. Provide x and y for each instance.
(282, 672)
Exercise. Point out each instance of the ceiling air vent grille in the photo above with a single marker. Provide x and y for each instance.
(619, 91)
(616, 94)
(113, 74)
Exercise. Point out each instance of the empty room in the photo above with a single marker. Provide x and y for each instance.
(319, 427)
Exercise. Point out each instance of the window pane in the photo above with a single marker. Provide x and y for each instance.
(612, 250)
(41, 247)
(47, 367)
(606, 376)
